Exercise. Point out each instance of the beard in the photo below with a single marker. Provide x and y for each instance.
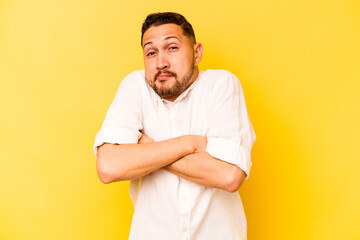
(177, 88)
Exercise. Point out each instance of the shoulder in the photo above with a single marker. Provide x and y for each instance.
(221, 80)
(132, 86)
(218, 73)
(220, 77)
(134, 79)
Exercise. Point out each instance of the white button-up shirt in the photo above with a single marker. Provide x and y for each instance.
(167, 206)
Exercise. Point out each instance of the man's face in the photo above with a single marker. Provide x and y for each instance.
(170, 60)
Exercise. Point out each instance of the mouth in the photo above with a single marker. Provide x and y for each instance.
(163, 77)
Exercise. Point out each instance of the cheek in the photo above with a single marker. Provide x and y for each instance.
(150, 66)
(185, 59)
(150, 70)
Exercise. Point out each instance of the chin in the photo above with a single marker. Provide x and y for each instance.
(165, 85)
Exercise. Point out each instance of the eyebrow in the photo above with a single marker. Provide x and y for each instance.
(173, 37)
(167, 38)
(147, 44)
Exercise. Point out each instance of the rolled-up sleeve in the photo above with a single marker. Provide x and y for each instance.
(230, 134)
(123, 120)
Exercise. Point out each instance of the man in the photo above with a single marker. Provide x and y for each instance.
(182, 136)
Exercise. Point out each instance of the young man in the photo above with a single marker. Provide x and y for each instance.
(182, 136)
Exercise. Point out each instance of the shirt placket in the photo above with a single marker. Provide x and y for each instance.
(184, 185)
(185, 210)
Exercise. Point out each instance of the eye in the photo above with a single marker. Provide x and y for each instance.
(149, 54)
(172, 48)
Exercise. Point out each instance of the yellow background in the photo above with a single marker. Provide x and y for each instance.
(298, 61)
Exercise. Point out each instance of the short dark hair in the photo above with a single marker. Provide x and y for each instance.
(157, 19)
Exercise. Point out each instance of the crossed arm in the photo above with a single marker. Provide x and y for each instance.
(184, 156)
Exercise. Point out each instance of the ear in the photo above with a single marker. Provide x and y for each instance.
(198, 51)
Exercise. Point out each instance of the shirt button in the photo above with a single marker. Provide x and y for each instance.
(184, 198)
(184, 229)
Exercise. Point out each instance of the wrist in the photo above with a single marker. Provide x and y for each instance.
(188, 144)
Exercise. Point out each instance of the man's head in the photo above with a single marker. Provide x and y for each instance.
(171, 54)
(157, 19)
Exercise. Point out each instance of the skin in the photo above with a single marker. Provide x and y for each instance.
(171, 66)
(201, 168)
(167, 52)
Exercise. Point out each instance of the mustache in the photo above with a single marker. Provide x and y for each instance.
(165, 72)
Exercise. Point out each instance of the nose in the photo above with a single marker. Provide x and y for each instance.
(162, 61)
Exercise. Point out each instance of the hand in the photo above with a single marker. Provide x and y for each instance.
(145, 139)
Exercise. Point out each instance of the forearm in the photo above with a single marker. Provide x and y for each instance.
(203, 169)
(130, 161)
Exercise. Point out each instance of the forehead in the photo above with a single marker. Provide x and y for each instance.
(162, 32)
